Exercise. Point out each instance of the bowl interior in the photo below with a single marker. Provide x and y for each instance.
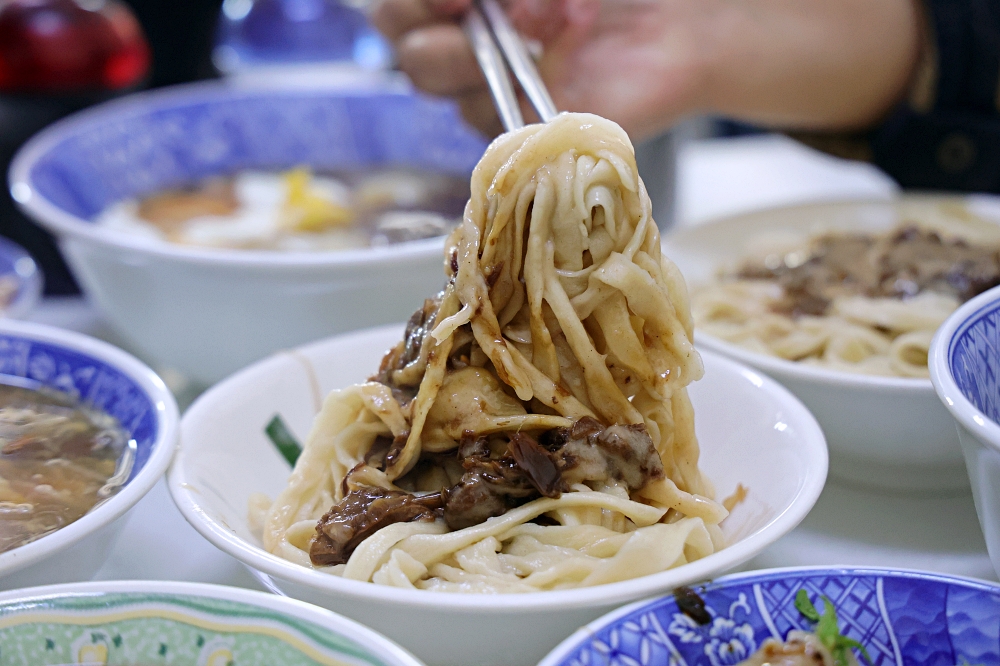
(89, 379)
(152, 141)
(751, 432)
(900, 617)
(90, 626)
(974, 357)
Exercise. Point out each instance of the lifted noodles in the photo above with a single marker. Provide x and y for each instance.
(532, 430)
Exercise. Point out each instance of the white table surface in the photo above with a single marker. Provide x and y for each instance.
(847, 526)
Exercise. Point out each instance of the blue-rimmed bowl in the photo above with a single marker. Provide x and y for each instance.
(107, 378)
(902, 618)
(144, 622)
(964, 361)
(16, 264)
(208, 312)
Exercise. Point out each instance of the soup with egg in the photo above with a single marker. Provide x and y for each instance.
(298, 210)
(58, 460)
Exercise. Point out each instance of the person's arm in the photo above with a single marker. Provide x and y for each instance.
(819, 65)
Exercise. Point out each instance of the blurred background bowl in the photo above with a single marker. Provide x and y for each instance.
(118, 384)
(888, 433)
(751, 431)
(146, 622)
(899, 616)
(208, 312)
(21, 281)
(965, 369)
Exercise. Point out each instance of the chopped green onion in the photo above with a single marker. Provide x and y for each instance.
(283, 440)
(827, 630)
(804, 606)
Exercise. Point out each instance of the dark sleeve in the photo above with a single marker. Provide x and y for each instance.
(947, 135)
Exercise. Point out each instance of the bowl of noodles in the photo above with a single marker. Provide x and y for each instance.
(839, 302)
(85, 431)
(215, 223)
(540, 443)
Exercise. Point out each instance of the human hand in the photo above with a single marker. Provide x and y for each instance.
(637, 62)
(828, 64)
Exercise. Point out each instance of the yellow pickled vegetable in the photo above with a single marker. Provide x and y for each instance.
(306, 209)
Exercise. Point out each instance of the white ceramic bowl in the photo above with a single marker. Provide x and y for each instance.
(965, 369)
(883, 432)
(122, 386)
(205, 312)
(751, 430)
(146, 622)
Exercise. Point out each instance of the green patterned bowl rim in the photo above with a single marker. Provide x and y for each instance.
(321, 634)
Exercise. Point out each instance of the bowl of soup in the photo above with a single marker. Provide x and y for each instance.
(839, 302)
(85, 431)
(216, 223)
(141, 623)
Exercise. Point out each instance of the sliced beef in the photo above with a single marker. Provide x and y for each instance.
(360, 514)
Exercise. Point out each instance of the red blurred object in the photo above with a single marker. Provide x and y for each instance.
(50, 46)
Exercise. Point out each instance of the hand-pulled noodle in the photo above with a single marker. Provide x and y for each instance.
(533, 429)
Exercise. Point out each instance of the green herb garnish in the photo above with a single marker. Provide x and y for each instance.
(827, 631)
(804, 606)
(283, 440)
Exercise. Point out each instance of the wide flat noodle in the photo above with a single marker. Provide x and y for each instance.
(559, 306)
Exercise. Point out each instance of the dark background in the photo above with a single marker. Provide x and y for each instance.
(180, 35)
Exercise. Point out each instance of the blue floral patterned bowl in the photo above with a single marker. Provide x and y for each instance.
(964, 362)
(208, 312)
(113, 381)
(144, 622)
(900, 617)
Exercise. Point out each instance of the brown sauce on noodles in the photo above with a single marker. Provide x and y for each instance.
(898, 265)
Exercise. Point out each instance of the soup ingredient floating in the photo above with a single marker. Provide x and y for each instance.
(57, 461)
(867, 303)
(532, 430)
(297, 211)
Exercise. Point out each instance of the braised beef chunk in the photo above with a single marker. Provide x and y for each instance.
(407, 351)
(622, 453)
(416, 329)
(537, 464)
(487, 488)
(377, 453)
(360, 514)
(492, 480)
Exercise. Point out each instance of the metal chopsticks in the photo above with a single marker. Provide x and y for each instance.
(498, 46)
